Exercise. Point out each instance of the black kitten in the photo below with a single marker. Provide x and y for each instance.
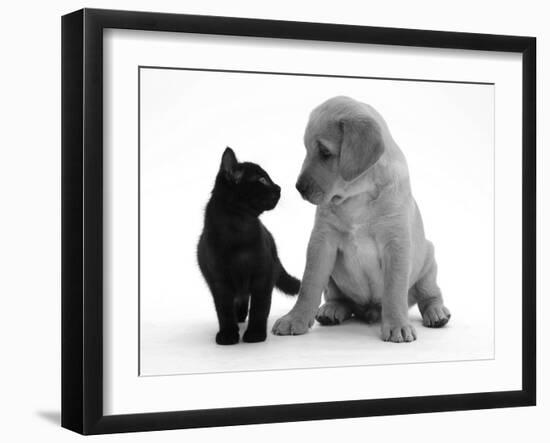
(237, 254)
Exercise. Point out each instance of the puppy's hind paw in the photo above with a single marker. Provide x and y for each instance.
(333, 313)
(435, 316)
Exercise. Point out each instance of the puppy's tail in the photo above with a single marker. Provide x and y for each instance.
(287, 283)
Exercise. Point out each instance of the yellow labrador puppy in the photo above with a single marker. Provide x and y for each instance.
(367, 250)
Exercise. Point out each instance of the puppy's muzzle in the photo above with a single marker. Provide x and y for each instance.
(309, 190)
(302, 187)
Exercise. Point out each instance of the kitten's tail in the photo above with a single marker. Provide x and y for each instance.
(287, 283)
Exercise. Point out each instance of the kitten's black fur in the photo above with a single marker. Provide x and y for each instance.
(237, 254)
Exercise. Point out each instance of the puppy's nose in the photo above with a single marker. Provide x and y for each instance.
(301, 186)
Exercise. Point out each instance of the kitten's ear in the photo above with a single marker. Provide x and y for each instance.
(229, 163)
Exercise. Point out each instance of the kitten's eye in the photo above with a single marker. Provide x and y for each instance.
(324, 152)
(263, 181)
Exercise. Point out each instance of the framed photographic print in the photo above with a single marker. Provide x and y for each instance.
(269, 221)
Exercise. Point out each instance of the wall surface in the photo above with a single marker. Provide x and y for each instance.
(30, 222)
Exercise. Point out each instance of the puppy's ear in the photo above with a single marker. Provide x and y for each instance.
(229, 163)
(362, 146)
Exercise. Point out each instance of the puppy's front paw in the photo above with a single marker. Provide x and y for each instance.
(227, 337)
(398, 333)
(292, 324)
(333, 313)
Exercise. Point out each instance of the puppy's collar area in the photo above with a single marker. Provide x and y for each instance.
(337, 199)
(346, 191)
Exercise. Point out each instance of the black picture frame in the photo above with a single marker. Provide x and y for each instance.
(82, 220)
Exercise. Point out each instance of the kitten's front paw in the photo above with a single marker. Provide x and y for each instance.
(251, 336)
(398, 333)
(227, 337)
(292, 324)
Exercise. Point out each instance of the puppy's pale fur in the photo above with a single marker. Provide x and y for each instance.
(367, 250)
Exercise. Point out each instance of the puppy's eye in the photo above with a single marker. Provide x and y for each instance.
(324, 152)
(263, 181)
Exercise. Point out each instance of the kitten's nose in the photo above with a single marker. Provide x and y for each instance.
(301, 186)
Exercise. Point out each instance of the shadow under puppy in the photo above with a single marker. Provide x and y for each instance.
(237, 254)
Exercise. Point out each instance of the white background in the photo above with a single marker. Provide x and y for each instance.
(188, 117)
(30, 257)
